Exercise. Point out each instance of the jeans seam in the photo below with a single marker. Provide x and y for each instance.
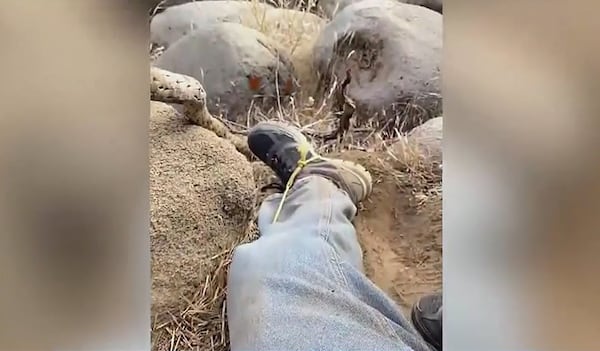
(380, 318)
(393, 330)
(324, 233)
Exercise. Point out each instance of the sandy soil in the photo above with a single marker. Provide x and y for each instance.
(402, 245)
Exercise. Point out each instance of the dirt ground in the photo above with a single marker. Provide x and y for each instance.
(401, 239)
(402, 243)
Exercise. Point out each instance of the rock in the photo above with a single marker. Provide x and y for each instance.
(290, 28)
(427, 138)
(296, 32)
(422, 146)
(163, 4)
(177, 21)
(392, 54)
(330, 8)
(435, 5)
(238, 66)
(202, 195)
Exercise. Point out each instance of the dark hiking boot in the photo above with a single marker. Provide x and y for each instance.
(427, 318)
(291, 156)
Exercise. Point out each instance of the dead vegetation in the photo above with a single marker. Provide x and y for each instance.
(328, 121)
(201, 324)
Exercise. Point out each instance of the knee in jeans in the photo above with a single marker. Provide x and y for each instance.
(241, 254)
(245, 258)
(254, 258)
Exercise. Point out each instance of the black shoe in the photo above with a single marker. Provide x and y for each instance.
(427, 318)
(288, 153)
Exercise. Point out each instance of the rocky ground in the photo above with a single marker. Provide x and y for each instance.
(360, 77)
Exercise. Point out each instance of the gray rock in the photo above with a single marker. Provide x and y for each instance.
(328, 8)
(295, 32)
(238, 67)
(331, 7)
(435, 5)
(175, 22)
(427, 138)
(392, 53)
(421, 147)
(163, 4)
(302, 5)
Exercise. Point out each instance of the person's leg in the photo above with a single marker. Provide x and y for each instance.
(300, 286)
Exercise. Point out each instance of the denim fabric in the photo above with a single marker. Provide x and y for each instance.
(301, 286)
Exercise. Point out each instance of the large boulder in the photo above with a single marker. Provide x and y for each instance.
(157, 6)
(330, 8)
(202, 195)
(435, 5)
(238, 66)
(177, 21)
(389, 54)
(294, 31)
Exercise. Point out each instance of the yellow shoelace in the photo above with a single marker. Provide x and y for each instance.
(303, 149)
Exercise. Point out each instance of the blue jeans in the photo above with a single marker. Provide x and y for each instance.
(301, 285)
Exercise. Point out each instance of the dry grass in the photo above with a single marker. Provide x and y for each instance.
(415, 175)
(294, 29)
(201, 325)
